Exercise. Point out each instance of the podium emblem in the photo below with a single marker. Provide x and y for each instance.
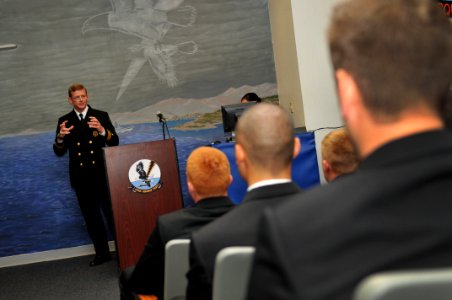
(144, 176)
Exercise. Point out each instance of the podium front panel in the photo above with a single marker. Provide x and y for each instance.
(137, 196)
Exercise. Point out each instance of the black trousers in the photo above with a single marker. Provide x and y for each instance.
(93, 200)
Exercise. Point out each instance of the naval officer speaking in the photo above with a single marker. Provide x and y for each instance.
(84, 131)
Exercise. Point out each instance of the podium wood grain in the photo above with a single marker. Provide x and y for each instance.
(135, 213)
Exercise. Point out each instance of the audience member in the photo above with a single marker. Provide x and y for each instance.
(208, 179)
(263, 154)
(339, 156)
(392, 61)
(250, 97)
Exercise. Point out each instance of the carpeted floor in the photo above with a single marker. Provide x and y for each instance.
(67, 279)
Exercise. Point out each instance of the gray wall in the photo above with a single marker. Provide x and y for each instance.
(150, 44)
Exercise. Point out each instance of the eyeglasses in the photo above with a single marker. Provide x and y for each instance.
(82, 97)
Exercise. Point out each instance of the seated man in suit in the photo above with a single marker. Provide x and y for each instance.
(208, 179)
(339, 156)
(265, 146)
(393, 67)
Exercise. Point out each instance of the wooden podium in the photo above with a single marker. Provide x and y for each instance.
(144, 183)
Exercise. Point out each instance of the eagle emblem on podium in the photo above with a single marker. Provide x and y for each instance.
(144, 176)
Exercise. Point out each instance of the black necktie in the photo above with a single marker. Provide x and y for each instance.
(81, 117)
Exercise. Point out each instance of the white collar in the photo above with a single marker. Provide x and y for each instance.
(83, 112)
(267, 182)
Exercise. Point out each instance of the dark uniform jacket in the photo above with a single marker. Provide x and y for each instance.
(85, 145)
(147, 277)
(237, 228)
(394, 212)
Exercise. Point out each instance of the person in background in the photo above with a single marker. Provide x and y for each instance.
(264, 149)
(250, 97)
(84, 132)
(208, 179)
(392, 61)
(339, 156)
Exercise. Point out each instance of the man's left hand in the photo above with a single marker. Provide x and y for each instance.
(94, 123)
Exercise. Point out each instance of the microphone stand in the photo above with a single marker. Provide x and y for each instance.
(167, 130)
(164, 126)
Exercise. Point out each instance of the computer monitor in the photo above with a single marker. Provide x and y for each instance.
(231, 113)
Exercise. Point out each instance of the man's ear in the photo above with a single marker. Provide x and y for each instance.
(326, 170)
(296, 147)
(240, 154)
(241, 160)
(70, 101)
(348, 93)
(192, 191)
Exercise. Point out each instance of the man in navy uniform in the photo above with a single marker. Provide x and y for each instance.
(84, 131)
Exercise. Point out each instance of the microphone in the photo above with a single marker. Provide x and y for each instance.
(160, 116)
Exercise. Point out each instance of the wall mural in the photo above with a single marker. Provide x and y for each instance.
(150, 22)
(136, 57)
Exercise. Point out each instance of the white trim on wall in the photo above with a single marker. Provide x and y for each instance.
(321, 108)
(31, 258)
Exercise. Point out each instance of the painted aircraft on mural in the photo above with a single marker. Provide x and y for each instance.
(150, 21)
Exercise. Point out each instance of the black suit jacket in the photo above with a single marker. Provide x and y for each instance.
(237, 228)
(147, 277)
(85, 146)
(394, 213)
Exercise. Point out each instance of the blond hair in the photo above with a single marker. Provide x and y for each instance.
(76, 87)
(339, 151)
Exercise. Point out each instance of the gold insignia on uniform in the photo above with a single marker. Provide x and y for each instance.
(95, 133)
(59, 146)
(78, 144)
(90, 142)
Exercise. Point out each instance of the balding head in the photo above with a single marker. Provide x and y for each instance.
(208, 173)
(265, 133)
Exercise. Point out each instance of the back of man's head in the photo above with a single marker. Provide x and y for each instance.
(399, 52)
(339, 156)
(208, 173)
(265, 132)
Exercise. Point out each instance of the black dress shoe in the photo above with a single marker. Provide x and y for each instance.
(99, 259)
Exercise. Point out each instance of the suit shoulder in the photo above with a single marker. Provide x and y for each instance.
(246, 214)
(168, 218)
(327, 202)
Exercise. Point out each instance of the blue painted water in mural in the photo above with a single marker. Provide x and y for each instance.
(38, 209)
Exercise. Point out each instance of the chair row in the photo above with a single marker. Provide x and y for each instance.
(233, 265)
(232, 268)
